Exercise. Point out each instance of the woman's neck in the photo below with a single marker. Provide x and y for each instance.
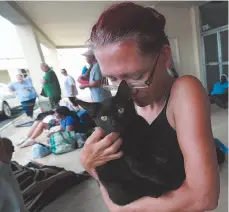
(151, 111)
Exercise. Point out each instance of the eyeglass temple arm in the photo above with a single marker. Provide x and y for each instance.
(150, 78)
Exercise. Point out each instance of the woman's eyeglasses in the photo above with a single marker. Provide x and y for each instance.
(137, 85)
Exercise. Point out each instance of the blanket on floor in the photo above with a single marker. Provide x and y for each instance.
(40, 185)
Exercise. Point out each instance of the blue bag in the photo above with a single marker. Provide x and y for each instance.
(40, 150)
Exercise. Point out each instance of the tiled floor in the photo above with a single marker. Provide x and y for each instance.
(86, 196)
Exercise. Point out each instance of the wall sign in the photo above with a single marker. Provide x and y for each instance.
(213, 15)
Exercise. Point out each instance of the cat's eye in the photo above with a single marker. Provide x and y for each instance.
(104, 118)
(121, 110)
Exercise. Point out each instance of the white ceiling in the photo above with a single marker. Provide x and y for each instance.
(68, 23)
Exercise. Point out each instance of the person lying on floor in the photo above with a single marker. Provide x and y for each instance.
(219, 93)
(33, 186)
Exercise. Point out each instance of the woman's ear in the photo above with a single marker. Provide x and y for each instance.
(167, 56)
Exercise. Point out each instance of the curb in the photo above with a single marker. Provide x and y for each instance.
(10, 123)
(15, 120)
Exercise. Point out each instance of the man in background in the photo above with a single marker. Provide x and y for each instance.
(51, 86)
(70, 87)
(98, 94)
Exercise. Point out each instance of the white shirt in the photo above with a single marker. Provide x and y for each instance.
(68, 83)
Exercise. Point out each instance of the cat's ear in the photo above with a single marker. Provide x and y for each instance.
(124, 90)
(92, 108)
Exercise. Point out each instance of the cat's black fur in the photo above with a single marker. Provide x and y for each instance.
(142, 171)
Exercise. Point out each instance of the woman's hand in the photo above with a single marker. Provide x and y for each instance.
(99, 149)
(49, 134)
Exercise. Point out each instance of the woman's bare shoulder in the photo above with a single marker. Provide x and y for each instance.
(187, 91)
(188, 88)
(189, 83)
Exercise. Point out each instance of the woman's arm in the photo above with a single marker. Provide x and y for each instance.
(71, 123)
(59, 130)
(200, 190)
(70, 128)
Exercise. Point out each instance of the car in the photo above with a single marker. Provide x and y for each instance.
(8, 101)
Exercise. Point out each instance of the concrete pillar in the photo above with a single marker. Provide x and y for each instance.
(56, 67)
(32, 52)
(55, 62)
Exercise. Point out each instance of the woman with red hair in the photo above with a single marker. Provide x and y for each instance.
(130, 44)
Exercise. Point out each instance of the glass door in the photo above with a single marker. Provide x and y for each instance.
(224, 51)
(215, 55)
(211, 62)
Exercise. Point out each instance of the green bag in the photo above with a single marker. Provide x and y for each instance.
(62, 142)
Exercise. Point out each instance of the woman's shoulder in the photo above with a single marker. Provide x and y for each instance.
(72, 119)
(187, 84)
(16, 85)
(188, 98)
(187, 90)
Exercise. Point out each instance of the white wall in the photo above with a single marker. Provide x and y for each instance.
(50, 55)
(196, 34)
(179, 27)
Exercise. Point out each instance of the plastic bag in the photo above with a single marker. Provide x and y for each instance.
(40, 150)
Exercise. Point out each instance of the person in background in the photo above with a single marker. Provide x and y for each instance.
(219, 93)
(130, 44)
(51, 86)
(84, 77)
(11, 199)
(28, 77)
(70, 87)
(69, 120)
(84, 70)
(25, 93)
(48, 123)
(78, 121)
(98, 94)
(30, 187)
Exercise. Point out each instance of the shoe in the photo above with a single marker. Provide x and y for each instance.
(23, 140)
(29, 142)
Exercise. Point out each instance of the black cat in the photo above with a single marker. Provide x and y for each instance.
(142, 170)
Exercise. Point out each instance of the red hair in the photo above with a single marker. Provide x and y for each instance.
(129, 21)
